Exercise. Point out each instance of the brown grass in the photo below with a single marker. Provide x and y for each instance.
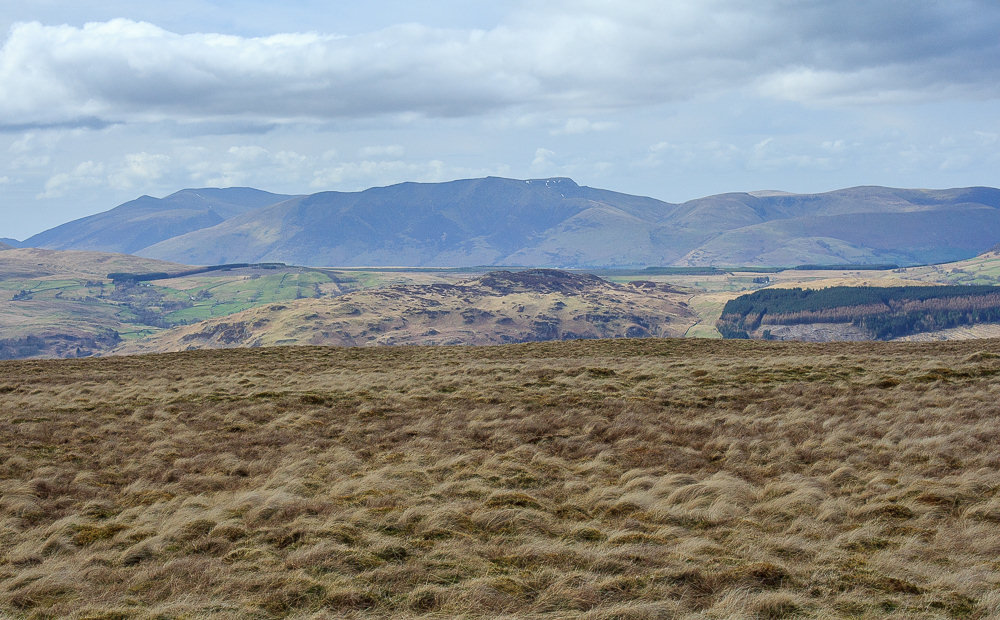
(598, 479)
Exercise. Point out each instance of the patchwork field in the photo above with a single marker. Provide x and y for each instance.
(596, 479)
(61, 304)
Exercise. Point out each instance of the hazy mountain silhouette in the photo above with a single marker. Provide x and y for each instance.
(542, 222)
(139, 223)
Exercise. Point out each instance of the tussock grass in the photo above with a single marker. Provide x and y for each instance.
(595, 479)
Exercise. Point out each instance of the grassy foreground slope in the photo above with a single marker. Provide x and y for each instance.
(597, 479)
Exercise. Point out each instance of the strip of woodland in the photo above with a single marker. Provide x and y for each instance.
(884, 312)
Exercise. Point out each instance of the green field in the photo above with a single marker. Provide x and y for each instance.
(80, 307)
(34, 303)
(220, 296)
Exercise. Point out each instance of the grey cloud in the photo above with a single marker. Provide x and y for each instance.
(79, 123)
(219, 127)
(573, 57)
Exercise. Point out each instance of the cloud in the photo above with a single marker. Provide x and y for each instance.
(245, 165)
(769, 154)
(580, 58)
(367, 173)
(76, 123)
(86, 174)
(139, 169)
(134, 170)
(30, 161)
(392, 151)
(579, 125)
(711, 154)
(542, 160)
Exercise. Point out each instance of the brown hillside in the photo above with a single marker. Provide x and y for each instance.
(498, 307)
(597, 479)
(38, 263)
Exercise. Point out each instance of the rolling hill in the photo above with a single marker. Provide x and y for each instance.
(495, 308)
(543, 222)
(58, 303)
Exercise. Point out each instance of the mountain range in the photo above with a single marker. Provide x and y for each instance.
(540, 222)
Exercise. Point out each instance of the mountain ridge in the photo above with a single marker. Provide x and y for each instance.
(550, 222)
(136, 224)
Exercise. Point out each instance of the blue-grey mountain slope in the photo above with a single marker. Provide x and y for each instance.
(137, 224)
(555, 222)
(468, 222)
(543, 222)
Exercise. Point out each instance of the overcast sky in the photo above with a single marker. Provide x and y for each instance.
(101, 102)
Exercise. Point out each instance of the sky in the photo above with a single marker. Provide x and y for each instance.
(102, 102)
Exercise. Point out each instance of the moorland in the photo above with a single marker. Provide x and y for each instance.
(624, 478)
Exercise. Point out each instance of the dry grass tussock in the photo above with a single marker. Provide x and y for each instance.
(593, 479)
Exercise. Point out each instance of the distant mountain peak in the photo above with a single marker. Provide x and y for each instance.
(552, 181)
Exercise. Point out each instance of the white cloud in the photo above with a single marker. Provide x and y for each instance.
(246, 164)
(392, 151)
(30, 161)
(139, 169)
(248, 153)
(770, 154)
(86, 174)
(31, 149)
(579, 125)
(987, 138)
(367, 173)
(134, 170)
(957, 161)
(710, 154)
(542, 160)
(23, 144)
